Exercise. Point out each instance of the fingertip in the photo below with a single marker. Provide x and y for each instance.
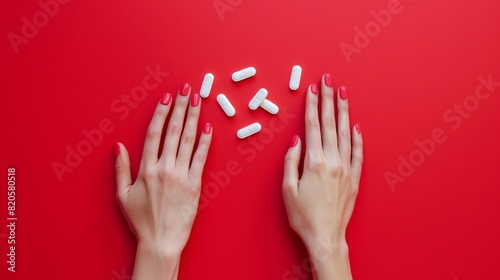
(357, 136)
(122, 167)
(291, 173)
(327, 80)
(166, 99)
(295, 140)
(342, 93)
(313, 88)
(195, 100)
(117, 149)
(357, 150)
(207, 129)
(357, 128)
(185, 89)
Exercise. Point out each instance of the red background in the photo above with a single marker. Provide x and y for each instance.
(442, 222)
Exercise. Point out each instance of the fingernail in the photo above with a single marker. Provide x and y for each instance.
(185, 89)
(295, 140)
(165, 100)
(117, 149)
(207, 128)
(358, 128)
(328, 80)
(314, 88)
(195, 99)
(343, 92)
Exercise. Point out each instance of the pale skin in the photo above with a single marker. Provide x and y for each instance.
(160, 206)
(320, 204)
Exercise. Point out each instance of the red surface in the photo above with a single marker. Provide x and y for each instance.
(442, 222)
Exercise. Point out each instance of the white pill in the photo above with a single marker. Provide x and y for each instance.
(248, 130)
(206, 85)
(226, 105)
(244, 74)
(269, 106)
(258, 98)
(295, 77)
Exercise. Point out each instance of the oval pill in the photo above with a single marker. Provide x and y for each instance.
(269, 106)
(206, 85)
(295, 77)
(243, 74)
(226, 105)
(248, 130)
(258, 98)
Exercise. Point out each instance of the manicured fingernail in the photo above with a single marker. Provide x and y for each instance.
(328, 80)
(165, 100)
(358, 128)
(195, 99)
(294, 141)
(185, 89)
(343, 92)
(314, 88)
(207, 128)
(117, 149)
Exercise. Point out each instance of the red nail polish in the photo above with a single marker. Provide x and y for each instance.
(314, 88)
(207, 129)
(117, 149)
(185, 89)
(328, 80)
(358, 128)
(165, 100)
(343, 92)
(294, 141)
(195, 99)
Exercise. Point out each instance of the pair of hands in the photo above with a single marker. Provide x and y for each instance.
(319, 204)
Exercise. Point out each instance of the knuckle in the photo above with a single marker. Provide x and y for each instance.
(187, 138)
(329, 121)
(166, 174)
(312, 122)
(199, 156)
(316, 163)
(174, 128)
(358, 158)
(336, 169)
(289, 158)
(120, 168)
(153, 133)
(344, 133)
(148, 173)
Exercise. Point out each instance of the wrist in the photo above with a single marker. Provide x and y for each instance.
(322, 248)
(154, 262)
(330, 259)
(160, 251)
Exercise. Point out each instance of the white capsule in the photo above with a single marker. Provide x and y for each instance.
(269, 106)
(295, 77)
(258, 98)
(226, 105)
(206, 85)
(243, 74)
(248, 130)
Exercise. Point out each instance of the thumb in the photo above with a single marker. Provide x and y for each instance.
(122, 170)
(291, 174)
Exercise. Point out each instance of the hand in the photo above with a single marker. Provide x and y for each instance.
(160, 206)
(320, 204)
